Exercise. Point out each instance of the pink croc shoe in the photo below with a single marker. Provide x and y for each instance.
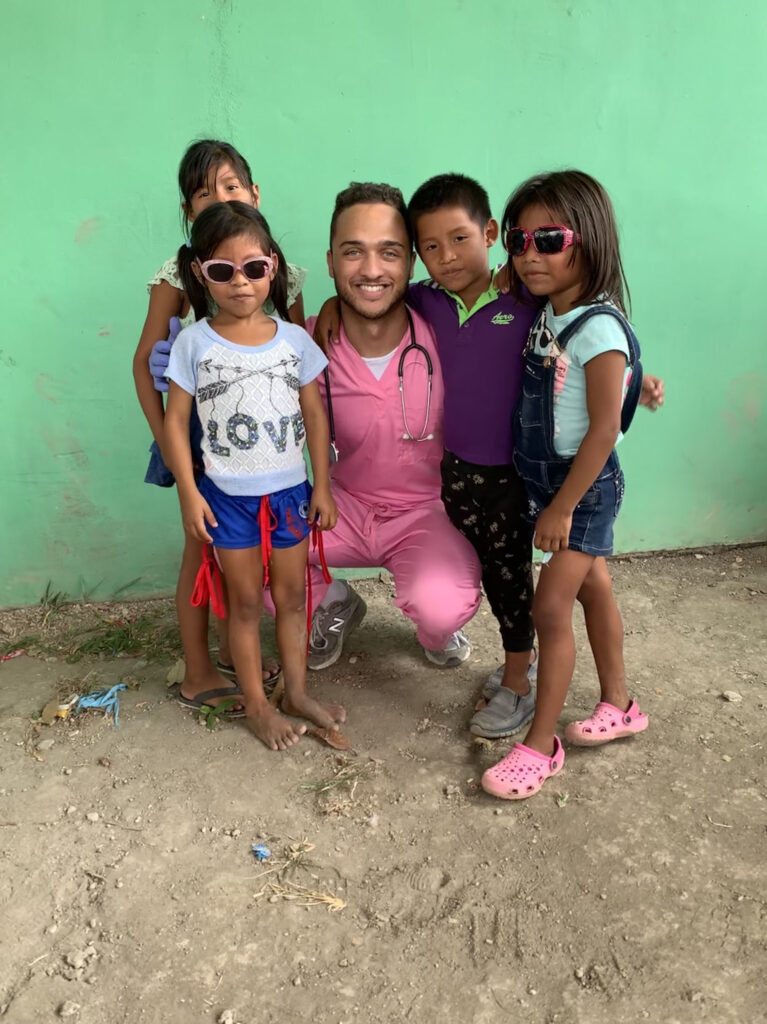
(522, 772)
(607, 723)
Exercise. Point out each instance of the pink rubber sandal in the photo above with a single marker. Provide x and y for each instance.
(607, 723)
(522, 772)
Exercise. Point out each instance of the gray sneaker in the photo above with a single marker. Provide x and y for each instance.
(457, 651)
(493, 681)
(505, 714)
(331, 626)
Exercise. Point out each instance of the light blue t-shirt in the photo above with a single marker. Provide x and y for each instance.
(602, 333)
(247, 401)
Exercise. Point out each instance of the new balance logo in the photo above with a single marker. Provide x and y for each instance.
(337, 627)
(502, 318)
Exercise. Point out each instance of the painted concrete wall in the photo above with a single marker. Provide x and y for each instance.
(664, 101)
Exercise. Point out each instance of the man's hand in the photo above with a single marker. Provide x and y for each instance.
(653, 392)
(159, 357)
(328, 325)
(502, 279)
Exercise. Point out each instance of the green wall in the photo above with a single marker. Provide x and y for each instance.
(663, 100)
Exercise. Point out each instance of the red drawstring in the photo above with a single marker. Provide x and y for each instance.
(267, 522)
(319, 545)
(208, 586)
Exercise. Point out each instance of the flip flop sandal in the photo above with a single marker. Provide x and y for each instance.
(522, 772)
(270, 682)
(202, 700)
(607, 723)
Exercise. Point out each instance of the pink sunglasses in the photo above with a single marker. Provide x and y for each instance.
(548, 240)
(223, 271)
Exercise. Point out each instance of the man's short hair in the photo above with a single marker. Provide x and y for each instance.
(446, 190)
(370, 192)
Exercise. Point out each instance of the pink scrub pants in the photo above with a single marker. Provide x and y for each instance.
(436, 570)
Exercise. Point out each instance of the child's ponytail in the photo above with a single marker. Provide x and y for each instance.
(194, 288)
(211, 229)
(278, 292)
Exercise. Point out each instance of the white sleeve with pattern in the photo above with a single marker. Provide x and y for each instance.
(167, 272)
(296, 278)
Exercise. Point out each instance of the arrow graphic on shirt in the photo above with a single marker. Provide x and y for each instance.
(210, 391)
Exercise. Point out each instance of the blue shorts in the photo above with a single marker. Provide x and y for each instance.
(237, 516)
(594, 515)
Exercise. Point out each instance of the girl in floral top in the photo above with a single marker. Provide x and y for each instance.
(210, 171)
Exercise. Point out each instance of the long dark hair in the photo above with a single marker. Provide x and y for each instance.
(579, 202)
(214, 226)
(202, 159)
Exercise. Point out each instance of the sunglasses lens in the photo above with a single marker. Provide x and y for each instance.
(255, 270)
(219, 273)
(549, 240)
(515, 241)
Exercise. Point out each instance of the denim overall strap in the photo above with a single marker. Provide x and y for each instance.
(634, 389)
(534, 448)
(535, 456)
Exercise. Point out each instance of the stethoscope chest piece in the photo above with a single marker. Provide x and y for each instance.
(413, 346)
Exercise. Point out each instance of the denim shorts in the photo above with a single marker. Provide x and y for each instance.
(237, 516)
(594, 516)
(158, 473)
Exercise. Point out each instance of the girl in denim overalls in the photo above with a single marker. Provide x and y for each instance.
(559, 230)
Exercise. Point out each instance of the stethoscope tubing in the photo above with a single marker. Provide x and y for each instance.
(412, 346)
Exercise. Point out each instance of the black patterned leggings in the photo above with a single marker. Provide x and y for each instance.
(487, 504)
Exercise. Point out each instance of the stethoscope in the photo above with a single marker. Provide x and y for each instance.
(412, 346)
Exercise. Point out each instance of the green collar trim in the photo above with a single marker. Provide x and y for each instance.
(482, 300)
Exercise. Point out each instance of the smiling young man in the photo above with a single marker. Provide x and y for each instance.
(386, 482)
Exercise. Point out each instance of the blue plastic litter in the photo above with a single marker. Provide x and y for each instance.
(107, 699)
(261, 851)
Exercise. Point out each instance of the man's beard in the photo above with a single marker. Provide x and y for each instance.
(348, 297)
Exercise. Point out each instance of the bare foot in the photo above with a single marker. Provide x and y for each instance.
(273, 729)
(327, 716)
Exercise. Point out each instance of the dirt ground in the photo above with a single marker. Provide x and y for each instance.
(632, 888)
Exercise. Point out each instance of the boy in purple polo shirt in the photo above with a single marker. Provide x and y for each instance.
(481, 334)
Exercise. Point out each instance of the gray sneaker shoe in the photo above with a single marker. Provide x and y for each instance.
(493, 681)
(457, 651)
(506, 714)
(331, 626)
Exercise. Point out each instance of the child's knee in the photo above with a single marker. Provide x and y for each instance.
(245, 603)
(550, 613)
(289, 598)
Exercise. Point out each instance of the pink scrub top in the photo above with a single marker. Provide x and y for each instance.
(376, 464)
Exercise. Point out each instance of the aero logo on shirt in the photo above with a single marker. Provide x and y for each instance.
(502, 319)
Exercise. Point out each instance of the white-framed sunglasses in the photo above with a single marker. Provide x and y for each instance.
(222, 271)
